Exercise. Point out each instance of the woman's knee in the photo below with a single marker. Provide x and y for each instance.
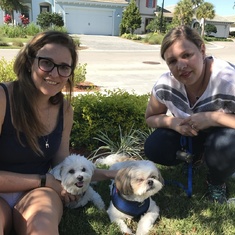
(38, 212)
(5, 217)
(161, 146)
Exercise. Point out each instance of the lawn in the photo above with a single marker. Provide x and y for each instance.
(179, 215)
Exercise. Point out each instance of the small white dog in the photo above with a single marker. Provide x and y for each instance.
(75, 174)
(134, 184)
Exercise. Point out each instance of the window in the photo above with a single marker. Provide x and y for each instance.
(44, 9)
(150, 3)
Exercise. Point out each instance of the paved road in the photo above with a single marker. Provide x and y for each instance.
(114, 62)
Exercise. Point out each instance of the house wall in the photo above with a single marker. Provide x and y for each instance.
(99, 17)
(222, 29)
(146, 13)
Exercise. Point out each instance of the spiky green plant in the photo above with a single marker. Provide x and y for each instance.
(130, 143)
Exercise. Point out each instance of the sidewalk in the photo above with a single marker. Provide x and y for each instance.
(117, 63)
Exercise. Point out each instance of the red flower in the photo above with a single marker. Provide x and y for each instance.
(24, 20)
(7, 19)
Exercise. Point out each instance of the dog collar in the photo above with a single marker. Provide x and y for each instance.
(131, 208)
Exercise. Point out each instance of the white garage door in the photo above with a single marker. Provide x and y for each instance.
(90, 21)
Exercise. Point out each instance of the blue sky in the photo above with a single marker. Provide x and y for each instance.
(222, 7)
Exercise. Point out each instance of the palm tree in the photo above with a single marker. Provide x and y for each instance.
(197, 2)
(204, 11)
(183, 12)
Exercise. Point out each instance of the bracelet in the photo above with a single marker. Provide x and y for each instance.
(43, 179)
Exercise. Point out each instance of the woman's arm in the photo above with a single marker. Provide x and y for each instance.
(102, 174)
(16, 182)
(156, 116)
(205, 120)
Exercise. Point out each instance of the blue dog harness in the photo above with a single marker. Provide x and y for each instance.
(131, 208)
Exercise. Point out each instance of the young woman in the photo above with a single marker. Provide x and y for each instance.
(35, 126)
(199, 92)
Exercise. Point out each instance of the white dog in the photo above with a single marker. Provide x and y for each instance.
(75, 174)
(135, 183)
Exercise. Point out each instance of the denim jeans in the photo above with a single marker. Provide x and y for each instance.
(216, 144)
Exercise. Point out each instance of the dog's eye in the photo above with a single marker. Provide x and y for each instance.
(83, 169)
(71, 171)
(153, 177)
(140, 179)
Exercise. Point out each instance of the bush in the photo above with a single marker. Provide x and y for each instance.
(80, 74)
(14, 31)
(6, 70)
(46, 19)
(32, 29)
(97, 112)
(131, 36)
(153, 38)
(232, 34)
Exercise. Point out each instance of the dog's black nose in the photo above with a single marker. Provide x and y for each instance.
(150, 183)
(80, 178)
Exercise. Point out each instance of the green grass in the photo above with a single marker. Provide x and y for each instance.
(179, 215)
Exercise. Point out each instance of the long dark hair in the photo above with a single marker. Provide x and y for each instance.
(24, 90)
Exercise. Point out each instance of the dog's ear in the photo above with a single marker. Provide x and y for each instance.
(123, 181)
(160, 178)
(57, 172)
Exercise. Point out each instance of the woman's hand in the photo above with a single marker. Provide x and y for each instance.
(198, 121)
(56, 185)
(177, 124)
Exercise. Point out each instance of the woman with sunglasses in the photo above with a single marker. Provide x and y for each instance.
(35, 126)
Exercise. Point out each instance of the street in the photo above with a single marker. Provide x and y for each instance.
(114, 62)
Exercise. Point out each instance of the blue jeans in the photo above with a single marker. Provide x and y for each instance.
(216, 144)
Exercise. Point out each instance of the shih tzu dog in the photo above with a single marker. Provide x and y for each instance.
(131, 191)
(75, 174)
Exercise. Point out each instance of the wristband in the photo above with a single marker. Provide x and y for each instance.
(43, 179)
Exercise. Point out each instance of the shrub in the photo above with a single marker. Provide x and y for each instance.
(6, 70)
(153, 38)
(14, 31)
(47, 19)
(80, 74)
(44, 20)
(97, 112)
(131, 36)
(32, 29)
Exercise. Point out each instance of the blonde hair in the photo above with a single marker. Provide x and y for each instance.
(24, 90)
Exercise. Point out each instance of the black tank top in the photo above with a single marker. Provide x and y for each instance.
(21, 159)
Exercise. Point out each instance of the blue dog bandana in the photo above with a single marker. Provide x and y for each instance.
(131, 208)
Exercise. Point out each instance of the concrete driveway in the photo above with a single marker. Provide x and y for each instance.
(114, 62)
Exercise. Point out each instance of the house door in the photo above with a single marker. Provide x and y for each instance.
(90, 21)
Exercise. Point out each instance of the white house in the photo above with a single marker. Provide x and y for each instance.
(147, 10)
(98, 17)
(222, 23)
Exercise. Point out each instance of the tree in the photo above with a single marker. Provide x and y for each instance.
(183, 13)
(197, 2)
(204, 11)
(131, 19)
(210, 28)
(157, 24)
(12, 5)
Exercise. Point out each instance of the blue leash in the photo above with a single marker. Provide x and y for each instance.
(186, 141)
